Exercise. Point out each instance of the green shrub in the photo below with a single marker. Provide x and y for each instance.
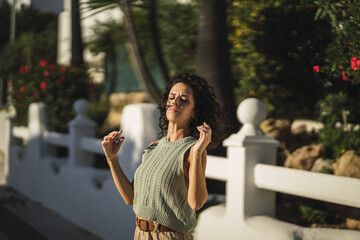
(337, 141)
(311, 214)
(275, 45)
(57, 86)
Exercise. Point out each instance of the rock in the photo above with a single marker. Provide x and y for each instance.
(282, 154)
(301, 126)
(278, 129)
(352, 224)
(323, 165)
(301, 129)
(303, 158)
(348, 165)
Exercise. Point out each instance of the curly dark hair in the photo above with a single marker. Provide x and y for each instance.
(206, 108)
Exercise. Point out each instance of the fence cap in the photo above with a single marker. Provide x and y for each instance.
(251, 111)
(81, 107)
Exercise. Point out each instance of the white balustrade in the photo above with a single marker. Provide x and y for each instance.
(251, 181)
(88, 196)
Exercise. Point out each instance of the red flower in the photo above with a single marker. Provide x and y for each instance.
(63, 69)
(344, 76)
(355, 63)
(316, 69)
(43, 85)
(43, 63)
(35, 93)
(91, 85)
(22, 89)
(46, 74)
(24, 69)
(61, 79)
(52, 66)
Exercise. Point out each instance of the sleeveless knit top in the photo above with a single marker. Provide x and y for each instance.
(160, 186)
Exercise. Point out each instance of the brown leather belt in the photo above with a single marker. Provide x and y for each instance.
(147, 226)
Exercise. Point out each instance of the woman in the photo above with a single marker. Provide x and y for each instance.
(169, 185)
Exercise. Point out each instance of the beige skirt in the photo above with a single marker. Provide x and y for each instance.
(157, 235)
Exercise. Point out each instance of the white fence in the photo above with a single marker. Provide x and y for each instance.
(88, 197)
(69, 184)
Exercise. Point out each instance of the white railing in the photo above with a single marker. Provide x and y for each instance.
(252, 180)
(92, 145)
(324, 187)
(55, 138)
(70, 184)
(21, 132)
(83, 194)
(216, 168)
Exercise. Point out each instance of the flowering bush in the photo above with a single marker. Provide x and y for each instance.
(340, 75)
(57, 86)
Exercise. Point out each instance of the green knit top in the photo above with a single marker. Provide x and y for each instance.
(160, 186)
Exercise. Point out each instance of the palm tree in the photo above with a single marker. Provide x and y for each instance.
(77, 48)
(146, 81)
(212, 55)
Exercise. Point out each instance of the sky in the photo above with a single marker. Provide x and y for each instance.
(44, 5)
(49, 5)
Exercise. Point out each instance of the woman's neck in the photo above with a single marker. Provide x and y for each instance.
(176, 132)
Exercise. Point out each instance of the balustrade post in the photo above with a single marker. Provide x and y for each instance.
(80, 126)
(9, 140)
(245, 149)
(37, 125)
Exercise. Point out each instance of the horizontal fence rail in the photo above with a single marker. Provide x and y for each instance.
(55, 138)
(92, 145)
(21, 132)
(216, 168)
(320, 186)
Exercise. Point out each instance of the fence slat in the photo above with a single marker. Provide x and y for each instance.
(55, 138)
(216, 168)
(21, 132)
(325, 187)
(91, 144)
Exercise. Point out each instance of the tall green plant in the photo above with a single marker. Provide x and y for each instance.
(275, 45)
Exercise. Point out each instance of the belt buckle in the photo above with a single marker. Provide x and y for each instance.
(146, 224)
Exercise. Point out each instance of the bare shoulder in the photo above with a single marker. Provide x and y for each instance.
(152, 143)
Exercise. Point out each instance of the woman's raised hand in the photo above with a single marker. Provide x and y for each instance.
(111, 145)
(205, 137)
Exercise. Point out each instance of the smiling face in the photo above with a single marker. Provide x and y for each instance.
(180, 104)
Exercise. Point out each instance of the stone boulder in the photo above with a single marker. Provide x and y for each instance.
(323, 165)
(277, 128)
(348, 165)
(352, 224)
(304, 158)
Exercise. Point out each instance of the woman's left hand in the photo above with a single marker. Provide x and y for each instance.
(204, 139)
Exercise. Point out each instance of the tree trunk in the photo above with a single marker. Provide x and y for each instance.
(212, 55)
(76, 37)
(146, 81)
(156, 39)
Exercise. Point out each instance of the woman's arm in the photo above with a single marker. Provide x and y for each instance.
(197, 193)
(111, 148)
